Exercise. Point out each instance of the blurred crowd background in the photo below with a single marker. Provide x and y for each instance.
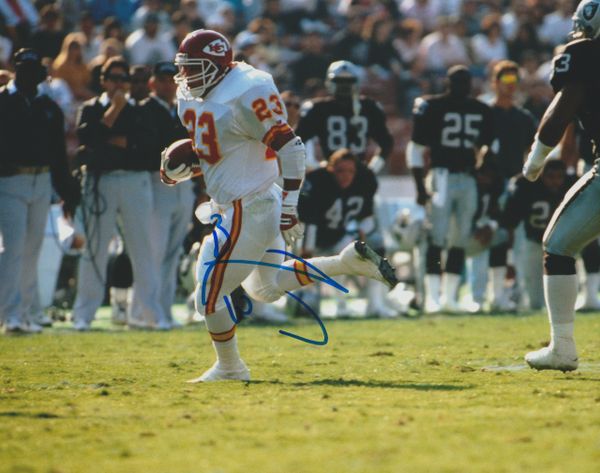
(403, 47)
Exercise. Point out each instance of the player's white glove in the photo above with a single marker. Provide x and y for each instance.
(291, 228)
(170, 176)
(535, 160)
(376, 164)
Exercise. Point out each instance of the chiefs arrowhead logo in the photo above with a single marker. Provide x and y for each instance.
(589, 11)
(218, 47)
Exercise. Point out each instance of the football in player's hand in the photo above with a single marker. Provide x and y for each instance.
(181, 152)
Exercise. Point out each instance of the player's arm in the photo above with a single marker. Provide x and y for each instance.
(264, 118)
(415, 150)
(382, 136)
(309, 210)
(515, 207)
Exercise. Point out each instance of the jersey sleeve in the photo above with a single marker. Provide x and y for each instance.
(573, 65)
(307, 124)
(422, 122)
(379, 130)
(263, 116)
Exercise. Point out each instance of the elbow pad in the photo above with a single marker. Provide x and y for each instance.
(414, 155)
(293, 159)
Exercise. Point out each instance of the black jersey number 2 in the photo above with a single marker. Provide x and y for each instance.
(460, 131)
(337, 133)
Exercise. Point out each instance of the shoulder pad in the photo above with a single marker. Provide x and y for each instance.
(420, 106)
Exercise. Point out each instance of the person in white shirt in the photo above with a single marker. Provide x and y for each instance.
(147, 46)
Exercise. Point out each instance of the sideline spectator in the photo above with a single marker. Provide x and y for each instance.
(116, 182)
(30, 168)
(147, 46)
(70, 67)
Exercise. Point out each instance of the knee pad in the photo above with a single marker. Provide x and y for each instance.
(498, 256)
(263, 293)
(455, 263)
(556, 265)
(433, 260)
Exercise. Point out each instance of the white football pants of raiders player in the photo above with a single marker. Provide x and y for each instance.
(453, 195)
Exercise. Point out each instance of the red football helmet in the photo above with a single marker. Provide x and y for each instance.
(204, 57)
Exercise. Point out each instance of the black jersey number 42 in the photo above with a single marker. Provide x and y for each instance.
(460, 131)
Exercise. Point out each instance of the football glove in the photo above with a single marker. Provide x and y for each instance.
(291, 228)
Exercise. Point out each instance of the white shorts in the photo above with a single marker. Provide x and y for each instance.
(237, 251)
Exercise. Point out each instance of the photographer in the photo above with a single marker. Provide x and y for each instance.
(33, 161)
(116, 182)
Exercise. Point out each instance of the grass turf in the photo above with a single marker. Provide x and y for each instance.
(443, 394)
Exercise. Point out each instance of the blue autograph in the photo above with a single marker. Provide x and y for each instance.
(319, 276)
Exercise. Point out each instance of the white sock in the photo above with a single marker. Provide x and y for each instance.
(221, 329)
(560, 292)
(498, 275)
(592, 280)
(228, 354)
(451, 283)
(376, 292)
(433, 283)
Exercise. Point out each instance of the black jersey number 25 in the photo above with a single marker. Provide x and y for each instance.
(460, 131)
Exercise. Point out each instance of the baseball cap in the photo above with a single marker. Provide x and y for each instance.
(164, 67)
(27, 56)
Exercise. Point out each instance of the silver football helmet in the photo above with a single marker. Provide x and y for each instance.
(586, 20)
(342, 78)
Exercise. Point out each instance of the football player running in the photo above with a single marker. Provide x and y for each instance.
(236, 119)
(576, 221)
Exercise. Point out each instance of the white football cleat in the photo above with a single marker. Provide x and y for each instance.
(549, 358)
(81, 325)
(361, 260)
(216, 373)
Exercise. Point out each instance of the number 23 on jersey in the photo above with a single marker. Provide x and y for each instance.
(203, 133)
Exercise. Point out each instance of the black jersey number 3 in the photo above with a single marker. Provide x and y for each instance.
(460, 131)
(337, 133)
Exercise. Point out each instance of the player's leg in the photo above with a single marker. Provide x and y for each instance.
(439, 215)
(591, 261)
(96, 216)
(533, 274)
(574, 224)
(13, 227)
(463, 195)
(226, 258)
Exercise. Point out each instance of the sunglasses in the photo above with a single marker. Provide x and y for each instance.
(509, 78)
(118, 78)
(292, 104)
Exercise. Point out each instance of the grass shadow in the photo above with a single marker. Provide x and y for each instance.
(30, 415)
(343, 383)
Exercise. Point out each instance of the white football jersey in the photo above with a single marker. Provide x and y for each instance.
(233, 129)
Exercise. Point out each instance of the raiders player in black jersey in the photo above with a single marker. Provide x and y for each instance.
(335, 198)
(453, 126)
(533, 203)
(576, 221)
(345, 119)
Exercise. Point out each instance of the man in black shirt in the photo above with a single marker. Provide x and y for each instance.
(33, 161)
(345, 119)
(117, 181)
(453, 126)
(172, 205)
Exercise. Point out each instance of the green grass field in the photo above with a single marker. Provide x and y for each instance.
(443, 394)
